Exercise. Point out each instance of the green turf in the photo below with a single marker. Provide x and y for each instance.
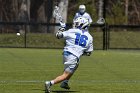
(25, 71)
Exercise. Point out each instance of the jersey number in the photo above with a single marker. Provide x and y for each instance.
(81, 40)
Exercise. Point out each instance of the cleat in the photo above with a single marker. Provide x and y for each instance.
(65, 85)
(47, 87)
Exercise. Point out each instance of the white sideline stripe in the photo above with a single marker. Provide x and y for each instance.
(109, 81)
(21, 81)
(79, 81)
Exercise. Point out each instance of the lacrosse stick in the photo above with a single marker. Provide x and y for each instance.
(101, 21)
(57, 16)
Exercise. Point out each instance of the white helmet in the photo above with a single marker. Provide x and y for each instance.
(81, 23)
(82, 9)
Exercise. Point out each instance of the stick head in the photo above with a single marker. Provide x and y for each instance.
(56, 14)
(101, 21)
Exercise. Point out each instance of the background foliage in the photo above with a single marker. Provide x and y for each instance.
(117, 11)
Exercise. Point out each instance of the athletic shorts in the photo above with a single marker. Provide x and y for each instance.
(70, 62)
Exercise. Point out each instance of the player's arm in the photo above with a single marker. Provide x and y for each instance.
(76, 16)
(89, 18)
(62, 28)
(89, 50)
(62, 33)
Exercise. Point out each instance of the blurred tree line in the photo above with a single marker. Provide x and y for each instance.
(116, 11)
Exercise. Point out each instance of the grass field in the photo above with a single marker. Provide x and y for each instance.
(26, 70)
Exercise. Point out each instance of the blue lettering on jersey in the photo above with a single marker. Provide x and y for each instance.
(81, 40)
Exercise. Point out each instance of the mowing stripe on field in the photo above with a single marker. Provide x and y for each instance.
(78, 81)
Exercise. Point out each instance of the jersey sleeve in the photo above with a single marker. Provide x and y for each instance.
(76, 15)
(90, 46)
(89, 18)
(65, 34)
(68, 33)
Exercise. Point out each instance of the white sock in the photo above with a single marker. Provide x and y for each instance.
(52, 82)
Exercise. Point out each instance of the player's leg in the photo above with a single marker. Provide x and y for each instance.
(68, 72)
(58, 79)
(62, 77)
(64, 83)
(70, 63)
(72, 59)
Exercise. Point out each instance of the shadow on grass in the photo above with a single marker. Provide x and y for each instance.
(60, 91)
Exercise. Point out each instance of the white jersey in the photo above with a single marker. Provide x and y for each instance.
(78, 41)
(85, 15)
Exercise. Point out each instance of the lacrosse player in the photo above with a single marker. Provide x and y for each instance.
(78, 42)
(82, 13)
